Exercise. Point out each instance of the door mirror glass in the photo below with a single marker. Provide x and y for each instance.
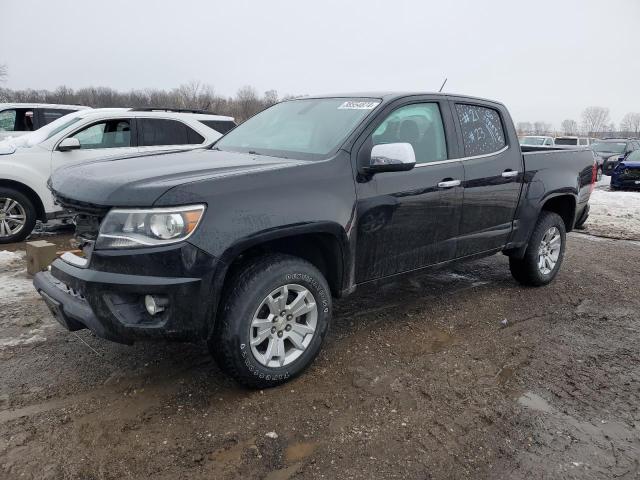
(69, 144)
(392, 157)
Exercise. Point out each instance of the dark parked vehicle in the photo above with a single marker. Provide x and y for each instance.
(611, 151)
(243, 245)
(626, 174)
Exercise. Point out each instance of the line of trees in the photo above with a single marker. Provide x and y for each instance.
(193, 95)
(595, 122)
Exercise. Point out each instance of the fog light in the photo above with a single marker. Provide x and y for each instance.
(155, 304)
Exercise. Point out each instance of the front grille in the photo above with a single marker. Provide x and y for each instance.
(87, 218)
(631, 173)
(80, 207)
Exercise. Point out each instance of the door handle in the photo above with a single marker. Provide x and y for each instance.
(510, 173)
(449, 183)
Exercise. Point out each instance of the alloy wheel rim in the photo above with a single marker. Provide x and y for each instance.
(549, 251)
(283, 326)
(13, 217)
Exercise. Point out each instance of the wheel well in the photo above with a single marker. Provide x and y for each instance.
(33, 196)
(320, 249)
(565, 206)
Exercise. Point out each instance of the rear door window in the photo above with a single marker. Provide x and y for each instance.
(48, 115)
(566, 141)
(220, 126)
(159, 131)
(482, 129)
(115, 133)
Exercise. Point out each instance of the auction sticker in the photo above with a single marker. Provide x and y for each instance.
(351, 105)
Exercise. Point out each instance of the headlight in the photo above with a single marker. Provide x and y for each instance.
(131, 228)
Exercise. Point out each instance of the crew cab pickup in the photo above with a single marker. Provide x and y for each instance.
(244, 244)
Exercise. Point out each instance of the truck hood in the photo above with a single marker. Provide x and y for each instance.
(627, 164)
(139, 180)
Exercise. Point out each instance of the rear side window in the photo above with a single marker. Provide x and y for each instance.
(482, 129)
(158, 131)
(583, 141)
(48, 115)
(220, 126)
(566, 141)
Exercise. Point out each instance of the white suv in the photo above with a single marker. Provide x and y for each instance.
(21, 118)
(26, 162)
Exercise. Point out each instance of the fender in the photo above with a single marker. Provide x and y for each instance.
(29, 176)
(284, 231)
(529, 215)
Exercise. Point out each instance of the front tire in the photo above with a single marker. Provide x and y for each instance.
(17, 216)
(274, 319)
(545, 252)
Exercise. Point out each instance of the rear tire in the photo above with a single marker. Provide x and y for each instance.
(261, 337)
(17, 216)
(545, 252)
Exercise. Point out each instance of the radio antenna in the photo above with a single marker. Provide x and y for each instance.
(443, 84)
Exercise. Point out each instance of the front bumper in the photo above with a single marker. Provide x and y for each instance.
(107, 296)
(623, 181)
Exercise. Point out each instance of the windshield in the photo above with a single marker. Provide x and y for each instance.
(46, 132)
(307, 129)
(609, 147)
(634, 156)
(566, 141)
(532, 141)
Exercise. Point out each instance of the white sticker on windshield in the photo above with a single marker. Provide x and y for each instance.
(351, 105)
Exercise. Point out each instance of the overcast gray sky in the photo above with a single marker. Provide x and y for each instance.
(546, 60)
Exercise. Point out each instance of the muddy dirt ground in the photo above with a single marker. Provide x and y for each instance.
(419, 379)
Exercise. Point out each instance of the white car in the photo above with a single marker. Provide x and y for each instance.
(537, 140)
(26, 162)
(575, 141)
(21, 118)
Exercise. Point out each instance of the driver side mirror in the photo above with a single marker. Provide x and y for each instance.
(69, 144)
(391, 157)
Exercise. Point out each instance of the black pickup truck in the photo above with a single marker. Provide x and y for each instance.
(245, 243)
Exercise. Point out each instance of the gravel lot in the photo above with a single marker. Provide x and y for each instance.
(446, 375)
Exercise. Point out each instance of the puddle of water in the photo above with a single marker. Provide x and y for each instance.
(535, 402)
(231, 455)
(283, 474)
(299, 451)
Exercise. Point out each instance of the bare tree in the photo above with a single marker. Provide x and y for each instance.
(4, 73)
(270, 97)
(631, 123)
(569, 127)
(541, 128)
(524, 128)
(595, 120)
(247, 102)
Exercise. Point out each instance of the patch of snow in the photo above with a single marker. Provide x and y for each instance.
(9, 260)
(14, 283)
(614, 214)
(25, 339)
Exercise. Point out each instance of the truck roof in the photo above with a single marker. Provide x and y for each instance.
(388, 96)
